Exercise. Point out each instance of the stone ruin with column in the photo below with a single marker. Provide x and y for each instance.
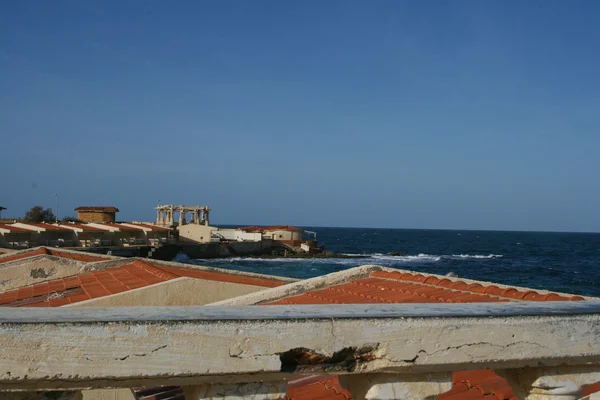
(165, 215)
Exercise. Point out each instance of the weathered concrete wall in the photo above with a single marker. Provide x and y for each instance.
(127, 347)
(34, 270)
(108, 394)
(177, 292)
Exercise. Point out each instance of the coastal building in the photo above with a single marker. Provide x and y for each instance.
(122, 234)
(283, 233)
(48, 234)
(236, 235)
(193, 223)
(87, 235)
(14, 237)
(193, 233)
(291, 236)
(155, 235)
(96, 213)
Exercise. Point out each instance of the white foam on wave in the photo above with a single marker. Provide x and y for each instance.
(361, 259)
(408, 258)
(476, 256)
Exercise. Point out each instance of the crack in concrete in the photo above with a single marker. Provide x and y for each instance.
(460, 347)
(142, 354)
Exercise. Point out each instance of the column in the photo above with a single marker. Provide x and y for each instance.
(397, 387)
(237, 391)
(551, 383)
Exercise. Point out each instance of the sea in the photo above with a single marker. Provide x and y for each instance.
(563, 262)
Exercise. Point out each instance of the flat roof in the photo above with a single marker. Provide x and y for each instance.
(97, 208)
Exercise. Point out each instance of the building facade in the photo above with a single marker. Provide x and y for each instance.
(97, 214)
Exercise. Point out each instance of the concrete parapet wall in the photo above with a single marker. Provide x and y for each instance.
(129, 347)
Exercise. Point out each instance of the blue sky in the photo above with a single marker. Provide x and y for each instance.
(458, 115)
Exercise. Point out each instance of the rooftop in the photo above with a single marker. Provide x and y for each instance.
(83, 227)
(97, 208)
(409, 287)
(15, 229)
(48, 227)
(372, 284)
(151, 226)
(40, 251)
(271, 228)
(134, 275)
(125, 228)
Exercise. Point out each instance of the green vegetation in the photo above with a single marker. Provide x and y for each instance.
(40, 214)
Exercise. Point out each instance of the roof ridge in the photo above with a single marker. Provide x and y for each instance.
(509, 292)
(154, 270)
(424, 295)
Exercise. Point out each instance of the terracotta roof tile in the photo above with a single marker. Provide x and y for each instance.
(326, 388)
(96, 284)
(479, 384)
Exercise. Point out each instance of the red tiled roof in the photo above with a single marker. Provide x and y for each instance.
(15, 229)
(480, 384)
(83, 227)
(406, 287)
(112, 281)
(97, 208)
(51, 252)
(48, 227)
(325, 388)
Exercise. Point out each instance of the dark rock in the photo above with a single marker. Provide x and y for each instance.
(396, 254)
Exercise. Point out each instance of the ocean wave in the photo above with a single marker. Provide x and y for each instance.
(477, 256)
(407, 258)
(361, 259)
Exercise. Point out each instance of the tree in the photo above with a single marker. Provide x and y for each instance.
(69, 218)
(40, 214)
